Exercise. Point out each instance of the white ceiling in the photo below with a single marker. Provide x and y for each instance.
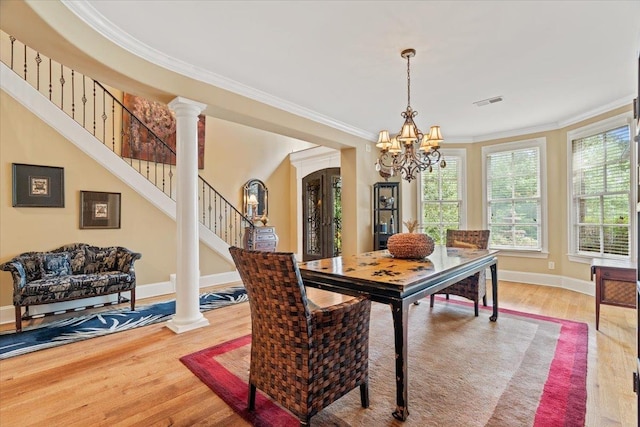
(553, 61)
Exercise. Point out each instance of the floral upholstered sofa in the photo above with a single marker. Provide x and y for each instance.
(73, 271)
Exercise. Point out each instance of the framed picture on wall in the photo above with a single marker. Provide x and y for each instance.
(37, 186)
(99, 209)
(144, 138)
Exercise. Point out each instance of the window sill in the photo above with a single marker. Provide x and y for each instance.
(588, 259)
(523, 254)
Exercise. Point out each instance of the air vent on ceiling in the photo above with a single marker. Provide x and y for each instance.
(488, 101)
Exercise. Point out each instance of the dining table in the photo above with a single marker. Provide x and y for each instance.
(400, 283)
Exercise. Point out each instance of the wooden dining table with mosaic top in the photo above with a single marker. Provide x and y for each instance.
(400, 283)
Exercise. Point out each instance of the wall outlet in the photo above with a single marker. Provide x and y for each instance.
(552, 265)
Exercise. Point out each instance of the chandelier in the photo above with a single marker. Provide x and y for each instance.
(410, 151)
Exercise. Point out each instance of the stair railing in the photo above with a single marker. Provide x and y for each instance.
(101, 113)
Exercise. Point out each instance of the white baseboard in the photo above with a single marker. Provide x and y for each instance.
(220, 279)
(569, 283)
(7, 313)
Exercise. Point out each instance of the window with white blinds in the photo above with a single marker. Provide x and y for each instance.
(440, 196)
(601, 193)
(514, 196)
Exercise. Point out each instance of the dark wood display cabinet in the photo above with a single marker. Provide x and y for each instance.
(386, 213)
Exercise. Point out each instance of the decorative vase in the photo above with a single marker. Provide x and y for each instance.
(410, 245)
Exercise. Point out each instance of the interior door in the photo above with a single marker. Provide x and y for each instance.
(322, 214)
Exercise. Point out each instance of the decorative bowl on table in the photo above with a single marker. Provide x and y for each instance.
(410, 245)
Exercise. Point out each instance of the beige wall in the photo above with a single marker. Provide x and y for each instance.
(246, 153)
(235, 154)
(557, 201)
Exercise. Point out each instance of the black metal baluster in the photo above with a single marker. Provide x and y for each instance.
(38, 61)
(94, 107)
(203, 198)
(50, 81)
(147, 150)
(73, 94)
(25, 62)
(215, 212)
(155, 168)
(226, 217)
(164, 174)
(61, 88)
(209, 209)
(113, 124)
(104, 118)
(13, 40)
(171, 181)
(84, 103)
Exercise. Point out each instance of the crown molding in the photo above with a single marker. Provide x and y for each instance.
(516, 132)
(625, 101)
(556, 125)
(90, 16)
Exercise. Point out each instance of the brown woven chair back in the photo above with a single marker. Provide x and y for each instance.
(478, 238)
(473, 287)
(303, 359)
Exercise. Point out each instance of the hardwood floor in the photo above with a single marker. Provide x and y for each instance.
(134, 378)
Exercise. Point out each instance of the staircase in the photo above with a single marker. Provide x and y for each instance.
(90, 116)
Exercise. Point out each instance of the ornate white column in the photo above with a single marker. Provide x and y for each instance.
(188, 315)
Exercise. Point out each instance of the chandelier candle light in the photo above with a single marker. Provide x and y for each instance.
(410, 151)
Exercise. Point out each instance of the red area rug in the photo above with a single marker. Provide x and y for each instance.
(524, 369)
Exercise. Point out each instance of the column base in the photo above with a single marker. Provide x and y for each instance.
(184, 327)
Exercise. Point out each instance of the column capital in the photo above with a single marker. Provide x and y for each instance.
(180, 105)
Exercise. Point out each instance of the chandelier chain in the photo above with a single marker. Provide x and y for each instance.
(408, 81)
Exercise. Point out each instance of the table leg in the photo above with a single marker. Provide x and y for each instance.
(494, 289)
(400, 315)
(598, 297)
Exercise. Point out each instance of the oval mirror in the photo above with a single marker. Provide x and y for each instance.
(255, 199)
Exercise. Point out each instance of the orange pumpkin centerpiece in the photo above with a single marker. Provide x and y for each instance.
(410, 245)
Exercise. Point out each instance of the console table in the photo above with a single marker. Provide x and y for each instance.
(615, 284)
(260, 238)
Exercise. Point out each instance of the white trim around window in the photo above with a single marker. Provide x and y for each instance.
(541, 145)
(460, 155)
(625, 119)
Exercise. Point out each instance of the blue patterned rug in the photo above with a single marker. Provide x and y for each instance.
(66, 331)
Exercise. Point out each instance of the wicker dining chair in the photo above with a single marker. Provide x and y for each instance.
(473, 287)
(303, 359)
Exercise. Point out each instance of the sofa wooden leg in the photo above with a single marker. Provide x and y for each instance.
(133, 299)
(18, 318)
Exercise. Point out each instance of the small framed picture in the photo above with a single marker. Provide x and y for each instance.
(99, 209)
(37, 186)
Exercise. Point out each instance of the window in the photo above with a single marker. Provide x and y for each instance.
(440, 196)
(515, 210)
(600, 167)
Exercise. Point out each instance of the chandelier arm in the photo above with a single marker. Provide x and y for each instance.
(386, 160)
